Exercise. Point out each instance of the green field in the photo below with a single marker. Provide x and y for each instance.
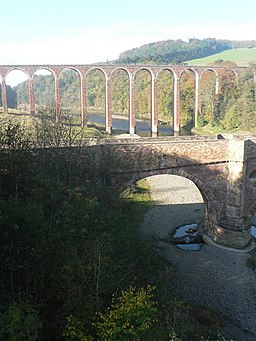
(241, 56)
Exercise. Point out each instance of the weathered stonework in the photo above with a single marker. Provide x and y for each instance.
(220, 169)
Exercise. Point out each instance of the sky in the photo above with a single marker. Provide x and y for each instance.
(90, 31)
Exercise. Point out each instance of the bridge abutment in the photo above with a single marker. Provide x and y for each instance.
(233, 228)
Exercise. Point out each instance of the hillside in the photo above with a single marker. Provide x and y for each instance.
(241, 56)
(179, 51)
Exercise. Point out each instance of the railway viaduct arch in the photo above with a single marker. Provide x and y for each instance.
(107, 71)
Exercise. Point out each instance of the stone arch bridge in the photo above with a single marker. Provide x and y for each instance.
(223, 169)
(108, 70)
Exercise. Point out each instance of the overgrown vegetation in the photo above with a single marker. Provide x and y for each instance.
(65, 253)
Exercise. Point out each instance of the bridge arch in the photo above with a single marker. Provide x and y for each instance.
(165, 79)
(189, 98)
(145, 68)
(120, 68)
(45, 77)
(208, 89)
(96, 68)
(119, 87)
(97, 89)
(19, 98)
(229, 73)
(47, 68)
(70, 105)
(17, 68)
(144, 100)
(235, 72)
(191, 69)
(53, 103)
(209, 69)
(207, 195)
(166, 69)
(73, 68)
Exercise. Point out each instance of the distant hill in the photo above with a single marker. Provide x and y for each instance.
(241, 56)
(179, 51)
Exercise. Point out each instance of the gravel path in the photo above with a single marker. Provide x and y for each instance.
(212, 276)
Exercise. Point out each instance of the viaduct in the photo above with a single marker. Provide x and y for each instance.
(108, 70)
(223, 167)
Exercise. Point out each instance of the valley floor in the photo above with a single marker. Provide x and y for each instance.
(212, 276)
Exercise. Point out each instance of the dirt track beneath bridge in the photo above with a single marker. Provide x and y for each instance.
(212, 276)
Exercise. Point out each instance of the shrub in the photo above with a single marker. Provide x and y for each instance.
(129, 317)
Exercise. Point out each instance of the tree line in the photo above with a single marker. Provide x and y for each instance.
(179, 51)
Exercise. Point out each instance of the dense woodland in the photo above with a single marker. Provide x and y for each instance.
(179, 51)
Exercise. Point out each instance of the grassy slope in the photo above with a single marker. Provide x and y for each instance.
(241, 56)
